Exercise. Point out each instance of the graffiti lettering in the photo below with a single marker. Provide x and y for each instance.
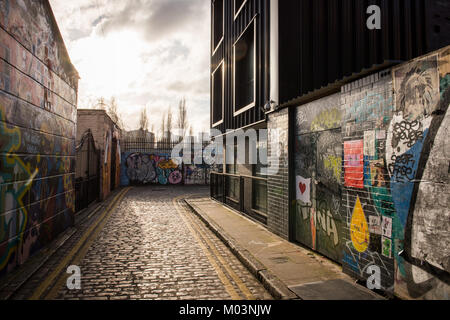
(327, 119)
(407, 132)
(402, 167)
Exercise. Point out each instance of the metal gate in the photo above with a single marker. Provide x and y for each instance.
(319, 223)
(87, 173)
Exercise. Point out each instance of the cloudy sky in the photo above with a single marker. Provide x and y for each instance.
(143, 52)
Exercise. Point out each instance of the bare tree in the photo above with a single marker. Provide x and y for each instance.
(163, 127)
(101, 104)
(143, 121)
(114, 113)
(183, 123)
(169, 125)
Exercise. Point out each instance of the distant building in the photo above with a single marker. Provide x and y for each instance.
(107, 136)
(140, 133)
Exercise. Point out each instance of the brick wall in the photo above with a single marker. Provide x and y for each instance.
(38, 97)
(396, 177)
(278, 180)
(103, 130)
(368, 107)
(375, 157)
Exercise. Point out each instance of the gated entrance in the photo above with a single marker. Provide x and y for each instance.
(87, 172)
(146, 161)
(113, 164)
(318, 163)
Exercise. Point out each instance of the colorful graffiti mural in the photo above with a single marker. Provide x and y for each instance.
(405, 175)
(196, 174)
(38, 93)
(143, 169)
(418, 145)
(318, 170)
(36, 192)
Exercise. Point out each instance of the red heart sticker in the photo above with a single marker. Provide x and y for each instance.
(302, 187)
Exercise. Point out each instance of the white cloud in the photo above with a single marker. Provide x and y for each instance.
(145, 53)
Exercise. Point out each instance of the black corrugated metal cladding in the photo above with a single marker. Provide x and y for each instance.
(324, 41)
(233, 29)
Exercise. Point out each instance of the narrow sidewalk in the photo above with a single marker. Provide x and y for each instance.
(288, 271)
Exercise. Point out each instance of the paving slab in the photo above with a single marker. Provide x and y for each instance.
(304, 273)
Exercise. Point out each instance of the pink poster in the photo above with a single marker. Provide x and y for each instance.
(354, 164)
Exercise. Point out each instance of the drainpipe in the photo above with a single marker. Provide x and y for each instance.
(274, 50)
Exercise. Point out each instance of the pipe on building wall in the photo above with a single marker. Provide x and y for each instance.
(274, 62)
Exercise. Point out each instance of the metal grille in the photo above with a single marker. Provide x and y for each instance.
(87, 172)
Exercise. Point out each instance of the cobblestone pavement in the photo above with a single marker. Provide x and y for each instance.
(150, 247)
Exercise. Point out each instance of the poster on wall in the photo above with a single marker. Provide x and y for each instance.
(369, 143)
(375, 225)
(386, 247)
(354, 164)
(386, 227)
(303, 187)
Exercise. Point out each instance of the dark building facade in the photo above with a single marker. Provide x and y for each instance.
(356, 120)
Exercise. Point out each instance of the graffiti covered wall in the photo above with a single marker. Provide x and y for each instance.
(196, 174)
(318, 169)
(396, 175)
(38, 94)
(366, 198)
(141, 169)
(420, 130)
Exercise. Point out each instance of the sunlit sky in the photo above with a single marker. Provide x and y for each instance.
(143, 52)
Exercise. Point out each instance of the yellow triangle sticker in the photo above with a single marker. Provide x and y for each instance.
(359, 228)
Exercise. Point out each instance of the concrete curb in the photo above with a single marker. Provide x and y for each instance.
(270, 282)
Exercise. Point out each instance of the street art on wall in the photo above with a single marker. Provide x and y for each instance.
(141, 168)
(366, 197)
(406, 161)
(303, 187)
(359, 228)
(318, 170)
(196, 174)
(38, 93)
(422, 225)
(369, 143)
(36, 193)
(30, 23)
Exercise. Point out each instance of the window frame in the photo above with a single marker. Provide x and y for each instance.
(221, 65)
(236, 13)
(214, 49)
(252, 104)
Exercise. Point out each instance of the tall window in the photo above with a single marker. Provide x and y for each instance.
(233, 183)
(244, 76)
(232, 166)
(260, 186)
(217, 23)
(217, 95)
